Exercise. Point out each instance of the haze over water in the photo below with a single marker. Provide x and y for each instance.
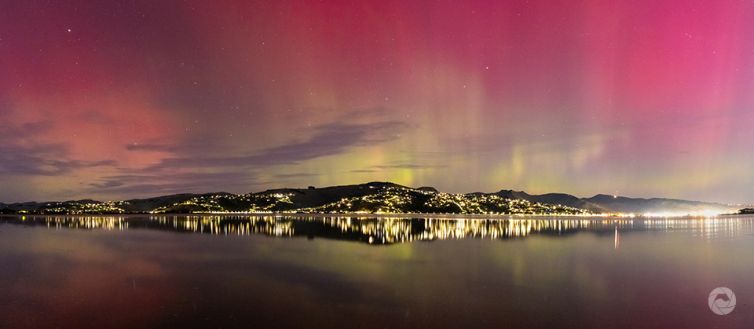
(320, 272)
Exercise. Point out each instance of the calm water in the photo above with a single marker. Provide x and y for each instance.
(324, 272)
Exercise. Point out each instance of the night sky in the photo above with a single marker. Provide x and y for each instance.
(116, 99)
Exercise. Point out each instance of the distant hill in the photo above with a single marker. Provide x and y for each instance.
(374, 197)
(146, 205)
(303, 198)
(657, 205)
(603, 203)
(554, 198)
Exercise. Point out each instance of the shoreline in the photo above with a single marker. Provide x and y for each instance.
(395, 216)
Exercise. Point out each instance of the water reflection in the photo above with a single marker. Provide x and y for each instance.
(390, 230)
(221, 272)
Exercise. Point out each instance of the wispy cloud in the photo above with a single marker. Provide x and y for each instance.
(151, 147)
(173, 183)
(407, 166)
(383, 167)
(21, 155)
(43, 160)
(328, 139)
(295, 175)
(190, 165)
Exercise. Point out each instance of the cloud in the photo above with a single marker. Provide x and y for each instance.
(11, 133)
(328, 139)
(21, 154)
(407, 166)
(42, 160)
(378, 168)
(190, 165)
(156, 183)
(108, 184)
(295, 175)
(151, 147)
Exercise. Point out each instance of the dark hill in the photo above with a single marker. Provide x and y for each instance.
(553, 198)
(374, 197)
(145, 205)
(308, 197)
(656, 205)
(618, 204)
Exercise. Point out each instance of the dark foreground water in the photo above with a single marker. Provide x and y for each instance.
(320, 272)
